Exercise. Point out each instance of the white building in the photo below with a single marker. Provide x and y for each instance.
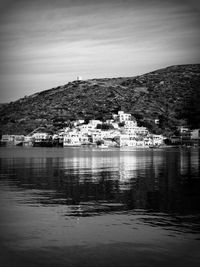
(142, 131)
(39, 136)
(7, 138)
(78, 122)
(126, 140)
(71, 138)
(184, 129)
(96, 135)
(135, 130)
(75, 138)
(124, 116)
(130, 124)
(155, 139)
(18, 139)
(86, 128)
(28, 141)
(129, 140)
(94, 123)
(195, 134)
(109, 121)
(109, 134)
(12, 139)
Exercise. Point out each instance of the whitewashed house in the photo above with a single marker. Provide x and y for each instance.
(126, 140)
(12, 139)
(72, 138)
(75, 138)
(157, 139)
(94, 123)
(96, 135)
(7, 138)
(28, 141)
(123, 116)
(39, 137)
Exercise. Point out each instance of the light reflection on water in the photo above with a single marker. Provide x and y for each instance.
(116, 205)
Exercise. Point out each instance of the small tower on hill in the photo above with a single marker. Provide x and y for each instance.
(79, 78)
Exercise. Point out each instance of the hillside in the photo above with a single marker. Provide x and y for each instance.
(171, 95)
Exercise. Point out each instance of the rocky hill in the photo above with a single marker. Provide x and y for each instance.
(171, 95)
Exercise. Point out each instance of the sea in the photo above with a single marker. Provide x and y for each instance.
(111, 207)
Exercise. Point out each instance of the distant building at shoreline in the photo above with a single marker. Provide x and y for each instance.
(120, 131)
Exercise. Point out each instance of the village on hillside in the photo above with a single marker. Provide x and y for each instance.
(120, 131)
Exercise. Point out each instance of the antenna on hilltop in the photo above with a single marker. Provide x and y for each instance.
(79, 78)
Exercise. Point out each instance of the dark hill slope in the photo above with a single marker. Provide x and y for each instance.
(171, 94)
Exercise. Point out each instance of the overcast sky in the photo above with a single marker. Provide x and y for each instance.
(46, 43)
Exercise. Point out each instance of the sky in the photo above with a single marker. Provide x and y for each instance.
(47, 43)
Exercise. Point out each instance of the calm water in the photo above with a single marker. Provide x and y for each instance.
(93, 207)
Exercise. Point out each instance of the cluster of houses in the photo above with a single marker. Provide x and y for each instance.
(120, 131)
(186, 137)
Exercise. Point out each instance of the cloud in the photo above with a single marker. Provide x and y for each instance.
(50, 39)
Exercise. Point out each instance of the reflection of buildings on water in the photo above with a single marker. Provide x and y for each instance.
(92, 161)
(128, 176)
(189, 162)
(127, 171)
(125, 164)
(153, 179)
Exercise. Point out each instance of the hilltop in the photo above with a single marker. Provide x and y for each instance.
(171, 95)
